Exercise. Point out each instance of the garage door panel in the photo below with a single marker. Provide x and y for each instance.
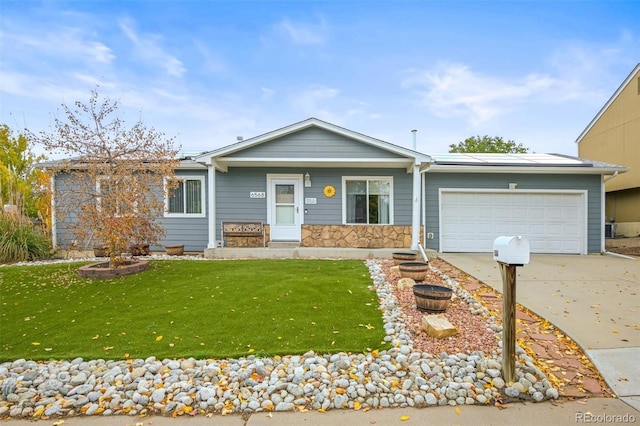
(553, 223)
(536, 213)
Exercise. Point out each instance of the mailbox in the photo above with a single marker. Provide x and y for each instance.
(511, 250)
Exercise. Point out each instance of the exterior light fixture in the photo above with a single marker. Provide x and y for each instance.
(307, 180)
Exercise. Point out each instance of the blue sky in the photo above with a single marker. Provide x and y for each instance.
(207, 71)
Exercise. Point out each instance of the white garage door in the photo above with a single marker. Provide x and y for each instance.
(553, 222)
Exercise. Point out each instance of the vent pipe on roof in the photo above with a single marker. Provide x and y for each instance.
(239, 138)
(414, 131)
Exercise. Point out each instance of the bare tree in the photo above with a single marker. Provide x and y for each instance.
(113, 175)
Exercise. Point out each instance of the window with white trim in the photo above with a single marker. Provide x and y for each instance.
(115, 198)
(368, 200)
(187, 199)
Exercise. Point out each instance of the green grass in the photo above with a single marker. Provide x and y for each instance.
(204, 309)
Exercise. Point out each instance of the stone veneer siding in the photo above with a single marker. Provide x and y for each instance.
(357, 236)
(343, 236)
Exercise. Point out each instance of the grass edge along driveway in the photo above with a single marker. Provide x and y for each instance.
(188, 308)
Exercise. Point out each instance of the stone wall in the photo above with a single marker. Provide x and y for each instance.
(357, 236)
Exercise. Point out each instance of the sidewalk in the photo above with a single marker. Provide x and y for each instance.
(592, 411)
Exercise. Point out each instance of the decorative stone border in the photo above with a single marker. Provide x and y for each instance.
(102, 270)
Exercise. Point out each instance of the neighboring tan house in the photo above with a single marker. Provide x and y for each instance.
(315, 184)
(613, 136)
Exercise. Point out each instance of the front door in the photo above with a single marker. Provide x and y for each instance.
(285, 207)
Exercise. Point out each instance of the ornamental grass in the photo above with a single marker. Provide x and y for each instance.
(21, 240)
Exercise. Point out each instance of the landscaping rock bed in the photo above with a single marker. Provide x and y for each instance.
(415, 372)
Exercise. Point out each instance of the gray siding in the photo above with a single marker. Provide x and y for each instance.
(192, 232)
(66, 216)
(314, 143)
(233, 188)
(591, 183)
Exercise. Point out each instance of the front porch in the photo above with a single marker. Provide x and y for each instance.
(304, 252)
(335, 236)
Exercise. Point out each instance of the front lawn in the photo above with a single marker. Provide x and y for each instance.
(182, 308)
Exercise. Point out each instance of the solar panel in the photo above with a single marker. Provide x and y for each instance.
(485, 159)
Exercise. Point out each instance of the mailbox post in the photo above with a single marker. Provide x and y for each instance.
(510, 252)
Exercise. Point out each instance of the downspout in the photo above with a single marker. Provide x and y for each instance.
(423, 176)
(415, 211)
(423, 207)
(415, 215)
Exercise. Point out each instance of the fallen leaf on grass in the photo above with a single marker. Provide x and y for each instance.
(158, 338)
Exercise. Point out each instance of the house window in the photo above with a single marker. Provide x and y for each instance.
(368, 200)
(115, 198)
(186, 199)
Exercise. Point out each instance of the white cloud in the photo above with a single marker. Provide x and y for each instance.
(266, 93)
(59, 42)
(312, 102)
(148, 47)
(304, 34)
(210, 62)
(453, 90)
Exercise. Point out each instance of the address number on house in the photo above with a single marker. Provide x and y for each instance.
(257, 195)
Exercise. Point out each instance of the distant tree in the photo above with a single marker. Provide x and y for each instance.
(115, 175)
(20, 183)
(488, 144)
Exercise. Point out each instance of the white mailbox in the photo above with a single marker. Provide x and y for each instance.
(511, 250)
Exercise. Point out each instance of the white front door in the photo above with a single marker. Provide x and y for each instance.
(285, 207)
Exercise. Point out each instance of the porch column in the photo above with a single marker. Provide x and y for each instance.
(415, 214)
(211, 177)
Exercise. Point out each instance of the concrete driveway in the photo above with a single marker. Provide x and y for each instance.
(594, 299)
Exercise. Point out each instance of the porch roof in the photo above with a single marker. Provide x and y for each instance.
(399, 157)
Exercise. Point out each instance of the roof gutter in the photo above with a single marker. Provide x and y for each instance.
(440, 168)
(608, 178)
